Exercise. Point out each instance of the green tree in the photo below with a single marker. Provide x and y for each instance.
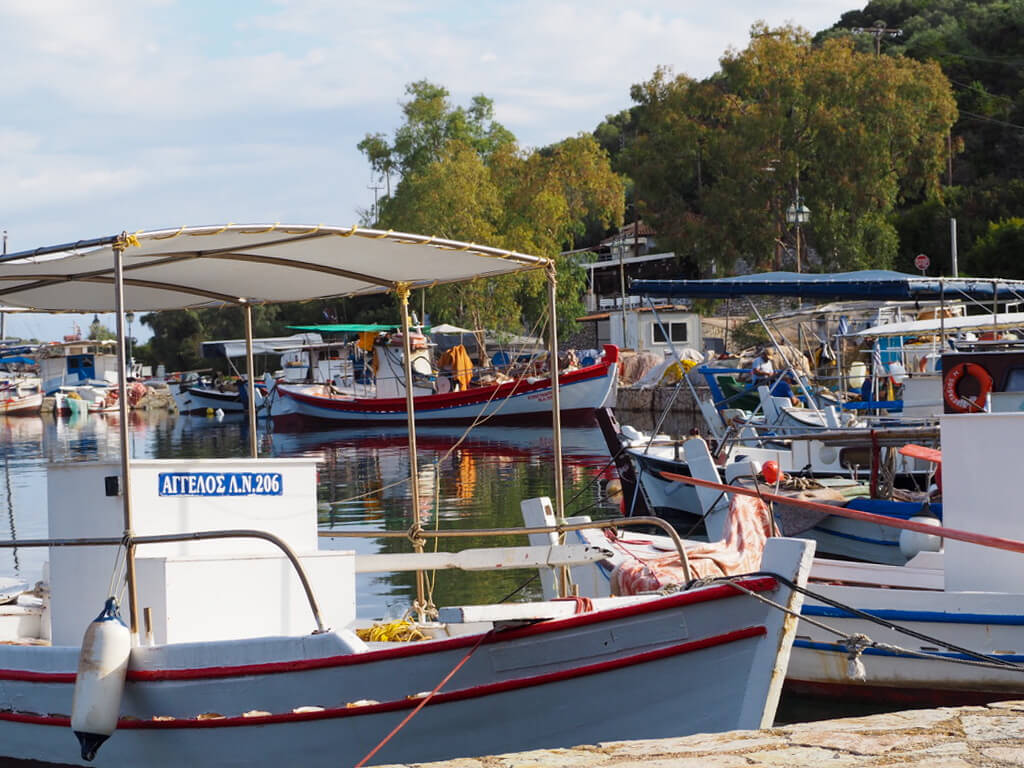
(463, 177)
(100, 332)
(430, 123)
(997, 252)
(718, 162)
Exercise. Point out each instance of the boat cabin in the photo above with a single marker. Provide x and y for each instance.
(77, 362)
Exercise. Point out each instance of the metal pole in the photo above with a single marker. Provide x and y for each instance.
(250, 384)
(126, 476)
(402, 291)
(622, 289)
(556, 405)
(952, 246)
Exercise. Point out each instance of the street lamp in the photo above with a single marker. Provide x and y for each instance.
(798, 214)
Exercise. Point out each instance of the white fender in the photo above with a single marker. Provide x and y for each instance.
(102, 665)
(913, 542)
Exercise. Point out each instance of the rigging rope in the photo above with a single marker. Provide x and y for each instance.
(425, 699)
(856, 642)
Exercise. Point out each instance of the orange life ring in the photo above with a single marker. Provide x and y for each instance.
(950, 387)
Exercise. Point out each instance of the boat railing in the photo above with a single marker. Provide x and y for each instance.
(134, 541)
(559, 528)
(238, 533)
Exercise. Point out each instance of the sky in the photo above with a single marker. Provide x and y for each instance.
(144, 114)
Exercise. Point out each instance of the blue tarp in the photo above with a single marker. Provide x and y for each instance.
(17, 359)
(872, 284)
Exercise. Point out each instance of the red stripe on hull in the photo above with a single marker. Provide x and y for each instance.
(474, 692)
(720, 592)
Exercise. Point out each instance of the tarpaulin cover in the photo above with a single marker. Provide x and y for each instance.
(214, 266)
(876, 284)
(747, 529)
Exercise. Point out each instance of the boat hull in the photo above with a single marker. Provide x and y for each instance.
(985, 623)
(202, 400)
(26, 405)
(542, 685)
(518, 402)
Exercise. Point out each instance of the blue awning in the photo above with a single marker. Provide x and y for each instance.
(17, 359)
(875, 284)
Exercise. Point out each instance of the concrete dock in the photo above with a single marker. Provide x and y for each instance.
(989, 736)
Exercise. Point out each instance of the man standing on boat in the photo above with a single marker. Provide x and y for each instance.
(762, 367)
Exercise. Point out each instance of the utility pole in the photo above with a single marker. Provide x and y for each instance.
(375, 189)
(878, 30)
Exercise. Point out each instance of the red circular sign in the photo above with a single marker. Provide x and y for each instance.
(922, 262)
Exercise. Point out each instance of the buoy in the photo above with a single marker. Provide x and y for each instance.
(770, 472)
(219, 413)
(209, 411)
(102, 665)
(951, 388)
(913, 542)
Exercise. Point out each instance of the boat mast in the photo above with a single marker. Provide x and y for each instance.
(556, 408)
(251, 383)
(402, 292)
(119, 247)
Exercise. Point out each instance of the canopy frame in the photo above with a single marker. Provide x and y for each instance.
(37, 270)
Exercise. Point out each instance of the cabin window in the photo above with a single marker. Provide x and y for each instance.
(678, 332)
(1015, 380)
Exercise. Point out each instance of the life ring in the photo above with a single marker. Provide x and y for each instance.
(950, 387)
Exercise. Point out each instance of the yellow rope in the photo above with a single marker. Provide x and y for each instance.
(170, 236)
(400, 631)
(215, 232)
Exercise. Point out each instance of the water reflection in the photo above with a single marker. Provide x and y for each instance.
(466, 481)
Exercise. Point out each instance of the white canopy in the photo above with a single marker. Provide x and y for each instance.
(271, 345)
(448, 328)
(1005, 320)
(195, 267)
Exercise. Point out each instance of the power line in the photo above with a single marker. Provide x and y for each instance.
(981, 91)
(983, 118)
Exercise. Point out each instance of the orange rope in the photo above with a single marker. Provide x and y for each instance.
(426, 698)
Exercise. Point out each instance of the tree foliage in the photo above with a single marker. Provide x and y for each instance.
(718, 162)
(464, 177)
(997, 252)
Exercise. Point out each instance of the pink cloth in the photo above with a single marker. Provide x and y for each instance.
(748, 527)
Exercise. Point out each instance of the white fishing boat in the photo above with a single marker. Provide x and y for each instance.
(944, 628)
(519, 400)
(846, 463)
(272, 671)
(20, 397)
(202, 396)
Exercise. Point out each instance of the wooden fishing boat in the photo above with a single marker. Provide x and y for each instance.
(274, 671)
(16, 401)
(943, 628)
(520, 400)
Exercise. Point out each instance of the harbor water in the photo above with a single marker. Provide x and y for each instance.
(466, 480)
